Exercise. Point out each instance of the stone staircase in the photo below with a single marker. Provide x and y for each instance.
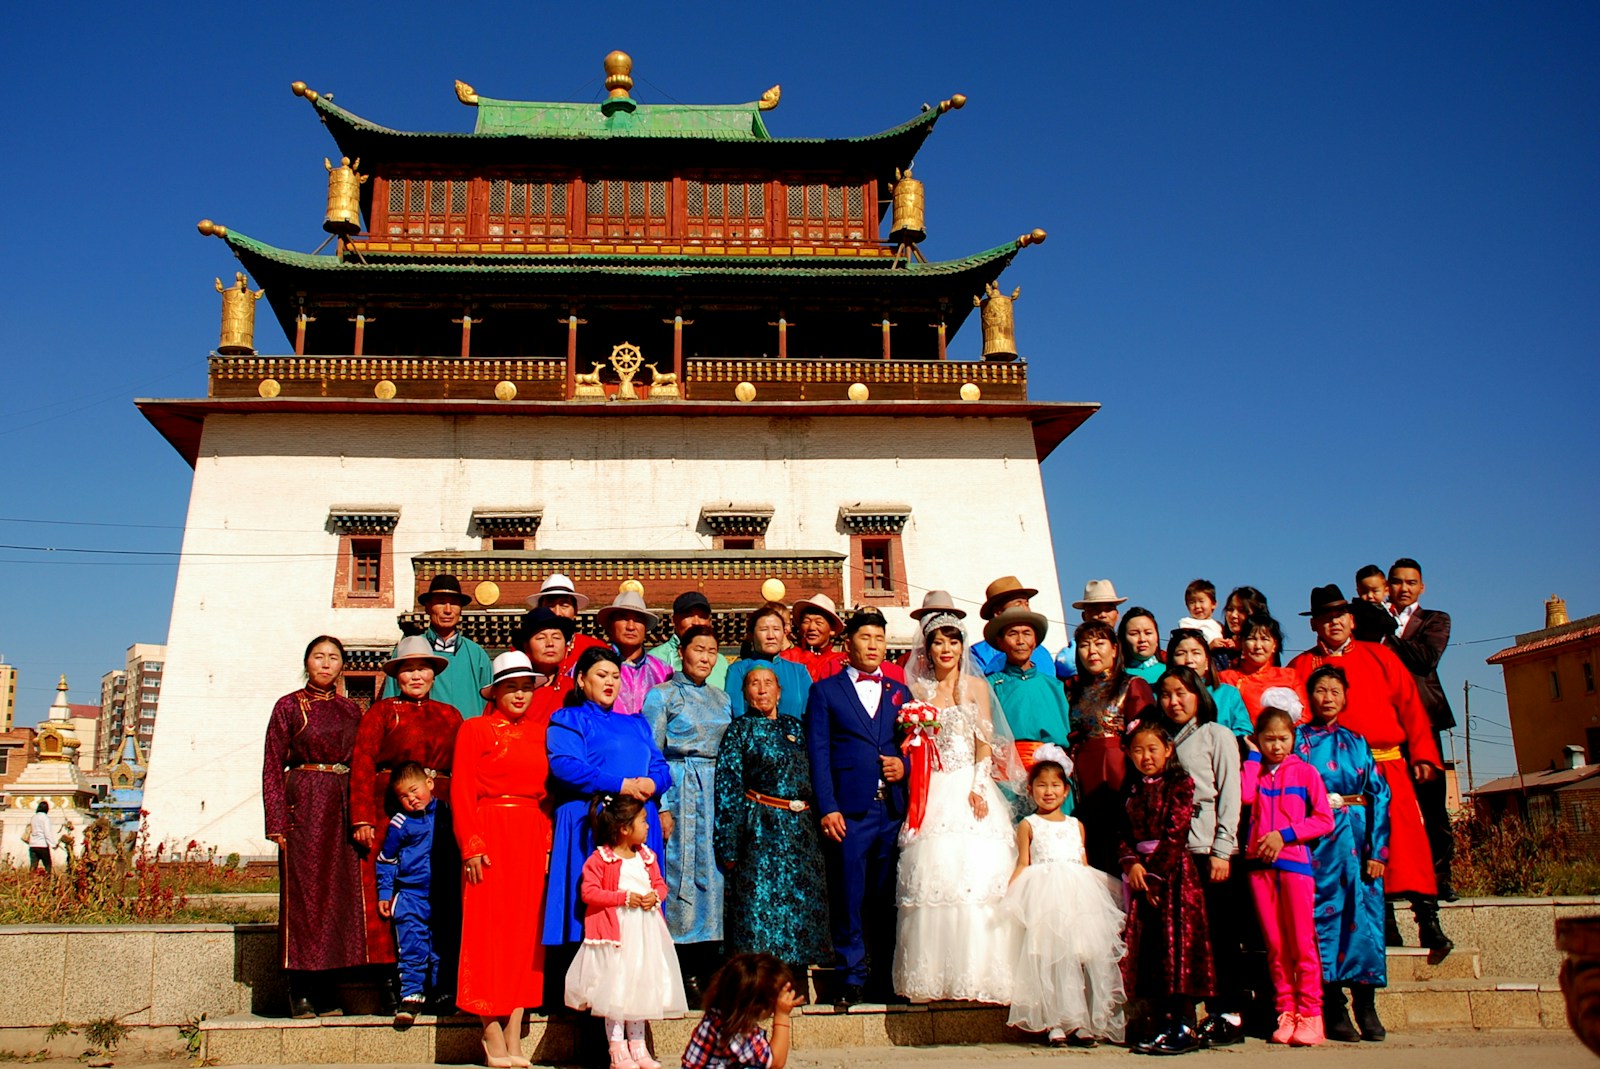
(1422, 995)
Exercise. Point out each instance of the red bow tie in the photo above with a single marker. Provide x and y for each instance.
(864, 678)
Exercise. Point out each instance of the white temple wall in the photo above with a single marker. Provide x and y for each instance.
(622, 481)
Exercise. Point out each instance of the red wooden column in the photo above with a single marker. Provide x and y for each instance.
(361, 319)
(678, 323)
(885, 324)
(466, 322)
(300, 322)
(572, 321)
(783, 326)
(940, 327)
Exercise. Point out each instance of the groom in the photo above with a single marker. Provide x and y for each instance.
(858, 776)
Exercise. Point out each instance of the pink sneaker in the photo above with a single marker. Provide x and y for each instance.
(1285, 1029)
(1307, 1032)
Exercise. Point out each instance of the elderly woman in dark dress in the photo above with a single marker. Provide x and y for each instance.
(305, 790)
(766, 836)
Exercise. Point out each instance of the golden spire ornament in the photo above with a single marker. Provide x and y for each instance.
(344, 196)
(238, 317)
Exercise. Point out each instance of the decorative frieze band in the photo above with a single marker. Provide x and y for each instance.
(739, 521)
(874, 519)
(354, 520)
(507, 523)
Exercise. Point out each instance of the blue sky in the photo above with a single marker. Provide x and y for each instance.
(1332, 270)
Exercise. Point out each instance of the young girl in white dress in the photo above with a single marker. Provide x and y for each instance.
(952, 939)
(626, 970)
(1068, 981)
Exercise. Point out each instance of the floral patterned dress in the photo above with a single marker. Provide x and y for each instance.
(776, 888)
(1169, 948)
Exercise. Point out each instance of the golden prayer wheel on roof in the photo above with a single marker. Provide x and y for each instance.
(999, 322)
(238, 317)
(344, 196)
(910, 203)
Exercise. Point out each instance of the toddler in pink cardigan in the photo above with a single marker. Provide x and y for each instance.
(626, 970)
(1290, 807)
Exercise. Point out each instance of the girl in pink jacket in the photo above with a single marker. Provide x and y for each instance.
(626, 970)
(1290, 807)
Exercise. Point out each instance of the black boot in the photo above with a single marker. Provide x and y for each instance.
(1426, 910)
(1364, 998)
(1391, 927)
(1336, 1023)
(388, 992)
(300, 1005)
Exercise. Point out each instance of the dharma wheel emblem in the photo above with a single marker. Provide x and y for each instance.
(626, 359)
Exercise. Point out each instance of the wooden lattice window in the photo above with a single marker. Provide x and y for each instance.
(818, 211)
(366, 565)
(876, 571)
(716, 211)
(627, 209)
(428, 208)
(527, 208)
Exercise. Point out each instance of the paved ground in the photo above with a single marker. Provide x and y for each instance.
(1435, 1050)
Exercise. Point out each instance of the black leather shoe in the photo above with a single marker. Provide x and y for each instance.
(1218, 1031)
(1364, 999)
(1391, 929)
(300, 1007)
(1179, 1039)
(692, 993)
(1336, 1023)
(847, 996)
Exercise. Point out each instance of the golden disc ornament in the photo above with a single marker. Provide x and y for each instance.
(859, 391)
(970, 391)
(774, 590)
(486, 593)
(269, 388)
(384, 390)
(505, 390)
(631, 586)
(745, 391)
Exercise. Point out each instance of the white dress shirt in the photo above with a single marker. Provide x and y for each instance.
(870, 691)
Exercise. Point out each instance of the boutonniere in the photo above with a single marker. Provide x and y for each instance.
(897, 698)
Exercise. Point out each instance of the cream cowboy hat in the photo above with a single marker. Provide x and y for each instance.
(414, 648)
(823, 606)
(627, 601)
(1098, 592)
(938, 601)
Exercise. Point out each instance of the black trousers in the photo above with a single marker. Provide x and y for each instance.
(39, 855)
(1436, 822)
(1228, 905)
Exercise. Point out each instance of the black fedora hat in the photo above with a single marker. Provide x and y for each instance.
(1326, 601)
(444, 586)
(541, 619)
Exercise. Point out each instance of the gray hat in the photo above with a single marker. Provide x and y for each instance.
(414, 648)
(627, 601)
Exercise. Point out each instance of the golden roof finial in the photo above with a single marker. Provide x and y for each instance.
(619, 75)
(210, 229)
(956, 103)
(466, 94)
(770, 98)
(63, 684)
(300, 90)
(1035, 238)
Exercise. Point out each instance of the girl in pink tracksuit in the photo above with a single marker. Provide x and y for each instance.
(1290, 807)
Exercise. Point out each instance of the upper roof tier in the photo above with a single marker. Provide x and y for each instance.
(520, 131)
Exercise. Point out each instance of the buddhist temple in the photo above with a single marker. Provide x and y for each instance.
(622, 340)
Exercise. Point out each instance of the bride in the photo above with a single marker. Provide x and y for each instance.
(953, 940)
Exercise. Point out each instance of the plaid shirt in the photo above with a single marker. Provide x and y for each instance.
(710, 1049)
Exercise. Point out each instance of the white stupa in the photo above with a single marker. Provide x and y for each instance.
(53, 777)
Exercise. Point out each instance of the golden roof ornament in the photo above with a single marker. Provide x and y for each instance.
(999, 322)
(238, 317)
(344, 196)
(466, 94)
(626, 359)
(770, 98)
(299, 89)
(619, 75)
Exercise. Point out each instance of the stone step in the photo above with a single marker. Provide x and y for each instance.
(1487, 1002)
(246, 1039)
(1415, 964)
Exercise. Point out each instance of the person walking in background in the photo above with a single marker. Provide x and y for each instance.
(41, 840)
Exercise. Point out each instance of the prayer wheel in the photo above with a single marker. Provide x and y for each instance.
(344, 197)
(999, 323)
(238, 317)
(910, 202)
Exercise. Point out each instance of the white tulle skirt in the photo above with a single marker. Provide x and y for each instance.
(1067, 970)
(954, 939)
(636, 981)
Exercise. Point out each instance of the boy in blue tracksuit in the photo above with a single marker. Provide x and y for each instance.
(405, 878)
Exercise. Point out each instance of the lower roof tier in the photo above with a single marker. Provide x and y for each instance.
(839, 293)
(182, 421)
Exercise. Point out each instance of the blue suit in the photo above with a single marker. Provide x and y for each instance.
(845, 741)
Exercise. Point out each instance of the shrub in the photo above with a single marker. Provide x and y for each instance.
(1515, 857)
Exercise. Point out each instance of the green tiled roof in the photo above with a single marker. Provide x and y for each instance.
(565, 121)
(522, 118)
(630, 264)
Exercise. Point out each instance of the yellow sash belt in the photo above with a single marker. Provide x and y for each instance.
(1390, 753)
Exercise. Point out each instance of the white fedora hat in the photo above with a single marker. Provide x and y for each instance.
(510, 665)
(414, 648)
(558, 585)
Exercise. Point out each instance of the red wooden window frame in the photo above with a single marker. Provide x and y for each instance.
(827, 212)
(721, 208)
(427, 207)
(527, 205)
(627, 209)
(878, 558)
(350, 572)
(366, 566)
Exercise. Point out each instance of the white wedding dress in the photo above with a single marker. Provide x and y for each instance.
(955, 940)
